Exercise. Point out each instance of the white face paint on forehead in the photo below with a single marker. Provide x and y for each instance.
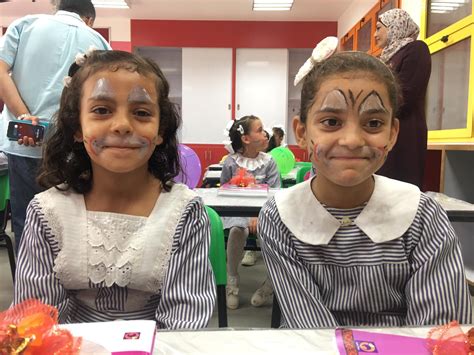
(140, 95)
(102, 90)
(335, 100)
(372, 103)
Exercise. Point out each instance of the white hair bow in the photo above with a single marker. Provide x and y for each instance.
(323, 50)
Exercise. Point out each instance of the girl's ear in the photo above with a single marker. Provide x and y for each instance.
(299, 129)
(245, 139)
(394, 129)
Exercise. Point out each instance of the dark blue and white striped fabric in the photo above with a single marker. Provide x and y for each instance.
(186, 299)
(416, 279)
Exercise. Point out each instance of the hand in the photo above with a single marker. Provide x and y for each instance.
(253, 226)
(28, 141)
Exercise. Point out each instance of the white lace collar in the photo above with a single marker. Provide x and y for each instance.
(83, 258)
(387, 215)
(251, 164)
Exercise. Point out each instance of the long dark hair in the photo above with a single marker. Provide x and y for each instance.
(67, 162)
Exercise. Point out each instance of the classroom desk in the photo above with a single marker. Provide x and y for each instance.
(233, 206)
(262, 341)
(230, 206)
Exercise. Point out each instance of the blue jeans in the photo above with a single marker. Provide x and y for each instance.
(23, 187)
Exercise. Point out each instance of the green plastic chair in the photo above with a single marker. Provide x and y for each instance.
(217, 256)
(302, 171)
(4, 213)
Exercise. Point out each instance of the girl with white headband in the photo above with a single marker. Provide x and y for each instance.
(247, 146)
(347, 247)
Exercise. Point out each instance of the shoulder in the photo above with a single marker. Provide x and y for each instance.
(417, 47)
(57, 195)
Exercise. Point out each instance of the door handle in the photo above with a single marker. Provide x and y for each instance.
(238, 107)
(229, 107)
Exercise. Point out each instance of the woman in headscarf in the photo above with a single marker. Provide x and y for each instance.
(410, 60)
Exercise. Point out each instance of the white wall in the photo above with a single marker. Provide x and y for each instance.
(413, 7)
(354, 12)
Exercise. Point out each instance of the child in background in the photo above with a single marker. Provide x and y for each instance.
(114, 237)
(247, 146)
(347, 247)
(277, 138)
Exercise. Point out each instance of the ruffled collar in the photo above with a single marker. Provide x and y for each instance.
(251, 164)
(387, 216)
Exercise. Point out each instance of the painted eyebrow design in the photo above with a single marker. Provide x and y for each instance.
(373, 110)
(102, 97)
(333, 109)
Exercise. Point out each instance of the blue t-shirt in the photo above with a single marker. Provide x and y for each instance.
(39, 50)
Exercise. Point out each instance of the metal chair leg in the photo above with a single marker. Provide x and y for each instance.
(221, 306)
(276, 313)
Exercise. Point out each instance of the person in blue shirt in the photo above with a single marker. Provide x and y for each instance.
(35, 55)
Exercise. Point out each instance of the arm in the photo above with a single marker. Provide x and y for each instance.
(35, 277)
(9, 93)
(273, 175)
(437, 291)
(227, 171)
(189, 290)
(298, 294)
(414, 72)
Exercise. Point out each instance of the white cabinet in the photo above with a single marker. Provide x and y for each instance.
(206, 94)
(262, 85)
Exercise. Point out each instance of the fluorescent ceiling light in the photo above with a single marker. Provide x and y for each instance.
(272, 5)
(111, 4)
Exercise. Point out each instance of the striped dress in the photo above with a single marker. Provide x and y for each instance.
(350, 280)
(157, 268)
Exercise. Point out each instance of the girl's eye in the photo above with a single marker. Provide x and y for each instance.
(374, 123)
(101, 110)
(330, 122)
(142, 113)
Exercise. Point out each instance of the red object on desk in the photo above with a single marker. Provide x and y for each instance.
(29, 328)
(243, 178)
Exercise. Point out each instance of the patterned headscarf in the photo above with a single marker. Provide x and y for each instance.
(401, 30)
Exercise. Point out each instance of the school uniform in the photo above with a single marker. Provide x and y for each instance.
(102, 266)
(263, 168)
(393, 261)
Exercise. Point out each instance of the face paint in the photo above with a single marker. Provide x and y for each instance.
(372, 103)
(98, 145)
(334, 101)
(102, 90)
(139, 95)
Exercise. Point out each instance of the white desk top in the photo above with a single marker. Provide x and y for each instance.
(272, 341)
(457, 210)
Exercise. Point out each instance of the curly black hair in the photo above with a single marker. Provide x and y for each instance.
(67, 162)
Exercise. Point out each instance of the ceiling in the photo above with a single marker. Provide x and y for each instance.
(303, 10)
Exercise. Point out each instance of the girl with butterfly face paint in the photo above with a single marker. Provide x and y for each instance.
(133, 244)
(349, 247)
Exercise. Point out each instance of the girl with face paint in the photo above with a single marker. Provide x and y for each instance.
(247, 146)
(348, 247)
(114, 237)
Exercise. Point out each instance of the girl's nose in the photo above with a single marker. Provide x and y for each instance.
(351, 137)
(121, 123)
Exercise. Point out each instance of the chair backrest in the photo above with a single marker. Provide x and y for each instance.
(302, 171)
(4, 191)
(217, 254)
